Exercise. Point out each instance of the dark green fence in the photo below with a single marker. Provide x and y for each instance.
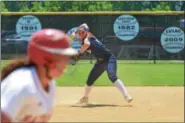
(144, 46)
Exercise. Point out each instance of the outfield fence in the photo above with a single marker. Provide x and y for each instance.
(130, 35)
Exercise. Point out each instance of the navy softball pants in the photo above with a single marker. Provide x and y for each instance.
(109, 65)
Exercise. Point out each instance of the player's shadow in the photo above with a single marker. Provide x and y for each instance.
(100, 105)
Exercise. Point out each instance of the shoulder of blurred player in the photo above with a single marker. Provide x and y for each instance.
(19, 79)
(14, 87)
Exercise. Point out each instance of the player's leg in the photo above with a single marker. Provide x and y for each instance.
(95, 73)
(112, 74)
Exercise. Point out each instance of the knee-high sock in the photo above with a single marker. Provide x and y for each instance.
(87, 90)
(120, 85)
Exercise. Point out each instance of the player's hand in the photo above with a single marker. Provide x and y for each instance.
(74, 59)
(88, 53)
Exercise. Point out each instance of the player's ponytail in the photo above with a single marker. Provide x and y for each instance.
(13, 65)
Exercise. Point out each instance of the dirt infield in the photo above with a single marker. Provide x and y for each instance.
(108, 105)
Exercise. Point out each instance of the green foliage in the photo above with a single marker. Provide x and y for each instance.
(37, 7)
(163, 6)
(42, 6)
(117, 6)
(25, 6)
(100, 6)
(86, 6)
(3, 7)
(53, 6)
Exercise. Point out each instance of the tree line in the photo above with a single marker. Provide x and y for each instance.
(54, 6)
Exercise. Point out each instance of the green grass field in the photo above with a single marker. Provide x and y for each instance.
(133, 74)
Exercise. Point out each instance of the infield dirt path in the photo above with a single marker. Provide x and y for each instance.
(108, 105)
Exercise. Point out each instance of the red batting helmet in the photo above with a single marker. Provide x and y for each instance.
(45, 44)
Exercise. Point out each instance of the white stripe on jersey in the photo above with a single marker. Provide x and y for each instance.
(24, 99)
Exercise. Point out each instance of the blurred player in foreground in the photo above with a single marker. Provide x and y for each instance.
(27, 85)
(105, 61)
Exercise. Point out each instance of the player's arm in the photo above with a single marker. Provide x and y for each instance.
(12, 100)
(85, 46)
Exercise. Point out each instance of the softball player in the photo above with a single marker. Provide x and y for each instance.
(105, 61)
(27, 85)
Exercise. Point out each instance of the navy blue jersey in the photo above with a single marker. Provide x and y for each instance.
(98, 49)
